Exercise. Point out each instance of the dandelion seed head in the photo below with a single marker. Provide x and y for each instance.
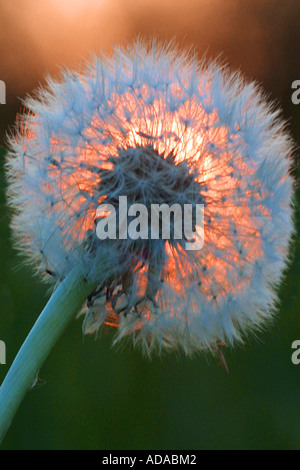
(157, 126)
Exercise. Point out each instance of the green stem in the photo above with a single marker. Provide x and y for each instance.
(60, 309)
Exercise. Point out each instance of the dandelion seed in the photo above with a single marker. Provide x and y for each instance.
(158, 127)
(38, 382)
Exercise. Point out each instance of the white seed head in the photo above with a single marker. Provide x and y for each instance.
(157, 126)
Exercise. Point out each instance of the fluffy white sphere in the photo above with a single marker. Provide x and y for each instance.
(158, 126)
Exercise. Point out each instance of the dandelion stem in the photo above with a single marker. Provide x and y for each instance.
(60, 309)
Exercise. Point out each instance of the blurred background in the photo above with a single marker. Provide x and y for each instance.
(93, 397)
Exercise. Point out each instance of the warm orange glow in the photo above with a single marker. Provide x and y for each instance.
(218, 183)
(75, 7)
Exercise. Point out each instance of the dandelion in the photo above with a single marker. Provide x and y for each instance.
(158, 127)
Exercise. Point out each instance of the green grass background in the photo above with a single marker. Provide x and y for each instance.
(98, 398)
